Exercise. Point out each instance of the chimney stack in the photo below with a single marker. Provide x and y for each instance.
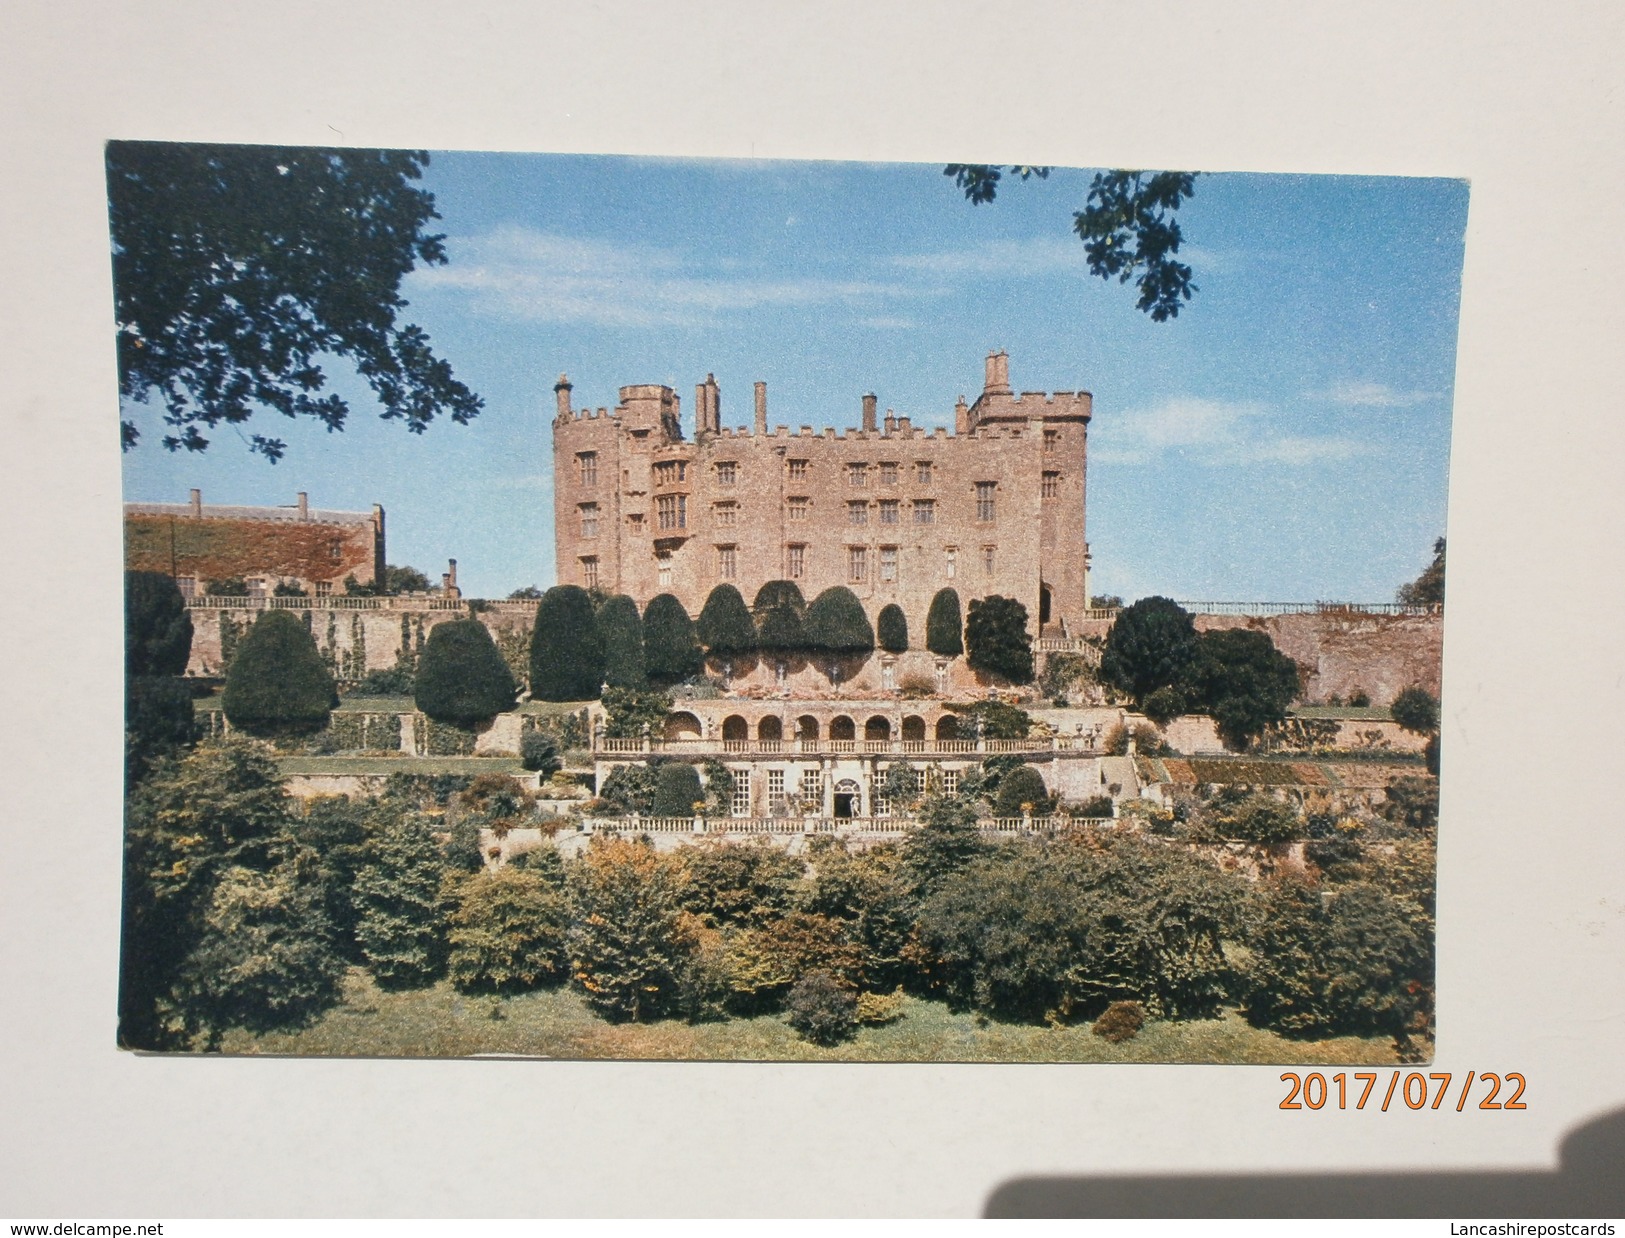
(561, 393)
(890, 422)
(961, 417)
(998, 374)
(761, 408)
(303, 504)
(448, 580)
(869, 411)
(197, 503)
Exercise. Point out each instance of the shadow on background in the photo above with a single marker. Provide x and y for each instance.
(1587, 1183)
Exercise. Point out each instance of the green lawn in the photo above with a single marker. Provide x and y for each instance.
(400, 765)
(440, 1022)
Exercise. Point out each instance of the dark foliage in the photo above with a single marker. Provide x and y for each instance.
(836, 623)
(238, 269)
(1417, 710)
(1239, 678)
(780, 613)
(390, 681)
(334, 832)
(945, 841)
(1164, 705)
(157, 629)
(944, 629)
(993, 720)
(630, 788)
(539, 753)
(630, 713)
(1428, 588)
(566, 647)
(1024, 785)
(677, 790)
(739, 884)
(1149, 646)
(507, 932)
(1119, 1022)
(821, 1008)
(671, 650)
(278, 683)
(400, 927)
(462, 678)
(1259, 818)
(724, 626)
(1413, 803)
(891, 628)
(158, 722)
(997, 640)
(621, 629)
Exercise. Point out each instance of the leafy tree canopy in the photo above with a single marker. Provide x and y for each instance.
(622, 631)
(507, 932)
(1243, 681)
(462, 678)
(1148, 647)
(157, 629)
(724, 626)
(780, 611)
(677, 790)
(1428, 588)
(236, 269)
(1024, 785)
(944, 628)
(891, 628)
(278, 682)
(566, 647)
(997, 640)
(836, 623)
(1128, 227)
(1417, 710)
(632, 712)
(671, 651)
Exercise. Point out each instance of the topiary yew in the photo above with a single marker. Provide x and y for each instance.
(462, 678)
(566, 647)
(836, 623)
(278, 683)
(724, 626)
(621, 630)
(157, 629)
(891, 628)
(1024, 785)
(997, 640)
(779, 611)
(677, 790)
(944, 629)
(671, 652)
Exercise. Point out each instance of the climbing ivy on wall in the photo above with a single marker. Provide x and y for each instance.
(355, 661)
(231, 635)
(514, 645)
(440, 739)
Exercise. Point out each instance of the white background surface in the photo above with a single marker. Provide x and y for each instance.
(1522, 99)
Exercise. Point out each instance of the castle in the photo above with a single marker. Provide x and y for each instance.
(892, 511)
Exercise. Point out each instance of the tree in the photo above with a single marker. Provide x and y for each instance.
(462, 678)
(526, 593)
(945, 841)
(1127, 227)
(1259, 818)
(631, 714)
(779, 611)
(278, 683)
(671, 653)
(623, 945)
(1164, 705)
(997, 640)
(1148, 647)
(944, 631)
(157, 629)
(218, 807)
(566, 647)
(397, 896)
(1428, 588)
(236, 269)
(891, 628)
(158, 721)
(1023, 785)
(1243, 681)
(621, 629)
(724, 626)
(677, 790)
(508, 932)
(836, 623)
(404, 580)
(539, 753)
(821, 1008)
(1416, 710)
(334, 833)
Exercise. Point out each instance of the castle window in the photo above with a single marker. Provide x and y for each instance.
(324, 588)
(796, 561)
(888, 511)
(798, 470)
(1052, 485)
(587, 467)
(857, 512)
(725, 514)
(775, 786)
(188, 586)
(812, 785)
(922, 472)
(888, 563)
(1052, 439)
(589, 519)
(950, 562)
(857, 474)
(989, 559)
(797, 509)
(727, 472)
(670, 472)
(672, 511)
(925, 511)
(740, 804)
(589, 572)
(888, 472)
(950, 782)
(857, 563)
(634, 524)
(985, 509)
(663, 570)
(727, 562)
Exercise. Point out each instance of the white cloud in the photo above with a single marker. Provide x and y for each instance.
(1035, 256)
(537, 276)
(1212, 432)
(1372, 395)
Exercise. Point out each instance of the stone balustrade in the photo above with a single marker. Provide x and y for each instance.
(1085, 744)
(841, 826)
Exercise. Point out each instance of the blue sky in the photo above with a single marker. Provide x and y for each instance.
(1286, 438)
